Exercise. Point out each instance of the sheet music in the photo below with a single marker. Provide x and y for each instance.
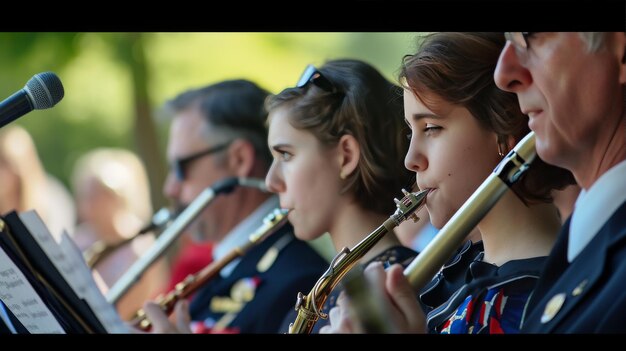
(68, 259)
(101, 307)
(20, 297)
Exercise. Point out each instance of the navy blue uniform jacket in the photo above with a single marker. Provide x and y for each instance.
(594, 284)
(296, 269)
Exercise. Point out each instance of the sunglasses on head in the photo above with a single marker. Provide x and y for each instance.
(313, 75)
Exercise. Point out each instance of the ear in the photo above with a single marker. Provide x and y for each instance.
(349, 153)
(241, 156)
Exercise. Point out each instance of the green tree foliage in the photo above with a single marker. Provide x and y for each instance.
(116, 83)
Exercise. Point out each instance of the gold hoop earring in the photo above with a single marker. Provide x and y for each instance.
(500, 152)
(342, 176)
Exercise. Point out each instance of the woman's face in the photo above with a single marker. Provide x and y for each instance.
(305, 175)
(450, 152)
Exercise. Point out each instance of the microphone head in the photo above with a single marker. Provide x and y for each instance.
(45, 90)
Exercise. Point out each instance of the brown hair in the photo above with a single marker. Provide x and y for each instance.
(367, 106)
(235, 107)
(459, 68)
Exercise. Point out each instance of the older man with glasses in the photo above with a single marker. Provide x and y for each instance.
(573, 88)
(219, 132)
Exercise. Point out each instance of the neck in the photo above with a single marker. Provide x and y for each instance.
(512, 230)
(242, 202)
(606, 152)
(353, 224)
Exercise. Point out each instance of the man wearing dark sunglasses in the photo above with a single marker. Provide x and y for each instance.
(218, 132)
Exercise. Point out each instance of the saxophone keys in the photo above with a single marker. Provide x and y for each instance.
(300, 300)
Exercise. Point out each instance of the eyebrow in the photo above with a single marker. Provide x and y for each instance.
(418, 116)
(279, 147)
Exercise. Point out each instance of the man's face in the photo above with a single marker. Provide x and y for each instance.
(573, 97)
(188, 136)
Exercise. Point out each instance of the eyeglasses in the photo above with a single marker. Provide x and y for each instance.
(313, 75)
(179, 165)
(519, 40)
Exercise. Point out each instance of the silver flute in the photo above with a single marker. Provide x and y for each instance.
(169, 235)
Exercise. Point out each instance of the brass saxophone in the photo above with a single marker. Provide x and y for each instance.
(271, 223)
(309, 307)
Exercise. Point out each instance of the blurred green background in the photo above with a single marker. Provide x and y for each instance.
(116, 83)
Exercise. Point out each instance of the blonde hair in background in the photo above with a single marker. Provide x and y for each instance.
(120, 171)
(120, 174)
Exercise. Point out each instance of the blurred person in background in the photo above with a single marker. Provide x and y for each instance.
(25, 185)
(113, 200)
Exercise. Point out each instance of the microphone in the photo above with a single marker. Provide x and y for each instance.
(42, 91)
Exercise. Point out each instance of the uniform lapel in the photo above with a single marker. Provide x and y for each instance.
(583, 275)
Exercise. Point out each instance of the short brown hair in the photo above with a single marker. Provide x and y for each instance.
(459, 68)
(367, 106)
(235, 107)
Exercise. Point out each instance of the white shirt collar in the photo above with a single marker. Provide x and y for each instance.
(240, 233)
(594, 207)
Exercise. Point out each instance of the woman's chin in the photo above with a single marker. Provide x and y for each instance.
(304, 235)
(436, 220)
